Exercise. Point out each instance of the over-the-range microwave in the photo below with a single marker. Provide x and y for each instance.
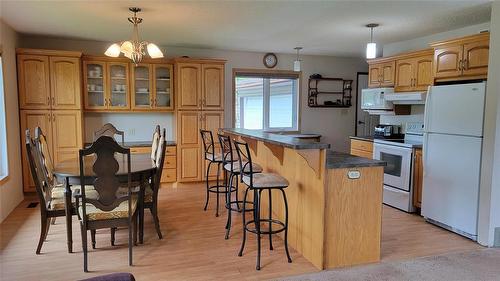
(373, 100)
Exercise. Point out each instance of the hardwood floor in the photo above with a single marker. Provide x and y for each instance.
(193, 247)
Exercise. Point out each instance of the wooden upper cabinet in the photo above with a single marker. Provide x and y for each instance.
(414, 71)
(461, 59)
(142, 87)
(118, 87)
(405, 70)
(381, 74)
(94, 77)
(448, 61)
(213, 87)
(476, 55)
(423, 73)
(34, 81)
(65, 83)
(163, 86)
(188, 86)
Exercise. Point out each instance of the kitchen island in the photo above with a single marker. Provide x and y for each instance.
(334, 198)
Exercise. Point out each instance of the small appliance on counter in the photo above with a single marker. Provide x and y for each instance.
(398, 174)
(386, 130)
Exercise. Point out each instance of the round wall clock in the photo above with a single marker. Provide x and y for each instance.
(270, 60)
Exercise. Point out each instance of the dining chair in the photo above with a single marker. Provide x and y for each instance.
(109, 130)
(155, 142)
(151, 189)
(110, 209)
(51, 204)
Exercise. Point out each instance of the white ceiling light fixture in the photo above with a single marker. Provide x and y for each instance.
(134, 49)
(371, 48)
(296, 63)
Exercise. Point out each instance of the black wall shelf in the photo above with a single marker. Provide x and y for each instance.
(342, 89)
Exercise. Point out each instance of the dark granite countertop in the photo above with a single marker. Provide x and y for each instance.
(138, 143)
(339, 160)
(363, 138)
(285, 140)
(371, 138)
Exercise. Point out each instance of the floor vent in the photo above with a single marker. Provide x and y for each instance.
(32, 205)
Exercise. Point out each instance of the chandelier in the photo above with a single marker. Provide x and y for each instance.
(134, 49)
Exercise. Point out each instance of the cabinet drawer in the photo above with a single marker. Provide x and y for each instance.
(171, 150)
(142, 149)
(170, 161)
(362, 145)
(169, 175)
(362, 153)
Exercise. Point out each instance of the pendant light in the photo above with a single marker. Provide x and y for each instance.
(134, 49)
(371, 48)
(296, 63)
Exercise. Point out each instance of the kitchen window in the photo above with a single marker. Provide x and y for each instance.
(266, 100)
(3, 129)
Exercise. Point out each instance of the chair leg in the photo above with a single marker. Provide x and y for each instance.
(257, 224)
(113, 230)
(134, 226)
(217, 183)
(286, 226)
(92, 237)
(154, 213)
(53, 221)
(43, 234)
(84, 248)
(244, 225)
(228, 205)
(208, 185)
(47, 229)
(130, 238)
(270, 223)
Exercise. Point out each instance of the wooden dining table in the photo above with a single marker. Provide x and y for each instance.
(68, 172)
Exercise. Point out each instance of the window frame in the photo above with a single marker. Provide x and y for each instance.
(273, 74)
(4, 161)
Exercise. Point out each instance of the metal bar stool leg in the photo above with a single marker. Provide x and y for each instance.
(270, 223)
(208, 185)
(228, 205)
(286, 226)
(257, 223)
(218, 191)
(244, 225)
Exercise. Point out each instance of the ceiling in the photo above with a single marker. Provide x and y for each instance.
(321, 27)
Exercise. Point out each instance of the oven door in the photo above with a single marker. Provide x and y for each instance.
(398, 170)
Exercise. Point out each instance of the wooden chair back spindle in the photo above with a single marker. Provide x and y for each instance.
(109, 130)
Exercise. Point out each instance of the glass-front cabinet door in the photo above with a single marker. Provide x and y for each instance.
(95, 84)
(163, 86)
(118, 97)
(142, 97)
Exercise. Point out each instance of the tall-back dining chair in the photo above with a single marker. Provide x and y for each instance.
(151, 190)
(109, 130)
(155, 142)
(110, 209)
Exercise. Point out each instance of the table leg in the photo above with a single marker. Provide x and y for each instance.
(141, 213)
(69, 216)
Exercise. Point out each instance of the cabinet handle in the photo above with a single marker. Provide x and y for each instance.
(466, 64)
(53, 101)
(204, 102)
(460, 65)
(156, 102)
(200, 101)
(54, 117)
(48, 101)
(151, 103)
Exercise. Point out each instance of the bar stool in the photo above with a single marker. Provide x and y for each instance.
(213, 157)
(231, 166)
(258, 182)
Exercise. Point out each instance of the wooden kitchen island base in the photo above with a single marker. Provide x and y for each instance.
(334, 199)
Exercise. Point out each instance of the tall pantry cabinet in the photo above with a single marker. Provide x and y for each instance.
(199, 93)
(49, 84)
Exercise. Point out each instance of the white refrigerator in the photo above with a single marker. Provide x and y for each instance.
(453, 137)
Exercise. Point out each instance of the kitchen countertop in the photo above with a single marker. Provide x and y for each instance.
(292, 141)
(339, 160)
(139, 143)
(371, 138)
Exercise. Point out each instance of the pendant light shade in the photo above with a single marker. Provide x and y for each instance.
(134, 49)
(371, 48)
(296, 63)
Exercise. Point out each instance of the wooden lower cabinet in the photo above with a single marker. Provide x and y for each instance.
(362, 148)
(190, 152)
(169, 173)
(64, 132)
(418, 177)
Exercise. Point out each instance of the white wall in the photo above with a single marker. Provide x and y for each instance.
(334, 124)
(423, 42)
(11, 189)
(489, 202)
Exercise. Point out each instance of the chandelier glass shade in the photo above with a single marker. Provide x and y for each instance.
(134, 49)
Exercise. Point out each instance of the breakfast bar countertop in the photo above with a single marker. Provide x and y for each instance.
(339, 160)
(293, 141)
(137, 143)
